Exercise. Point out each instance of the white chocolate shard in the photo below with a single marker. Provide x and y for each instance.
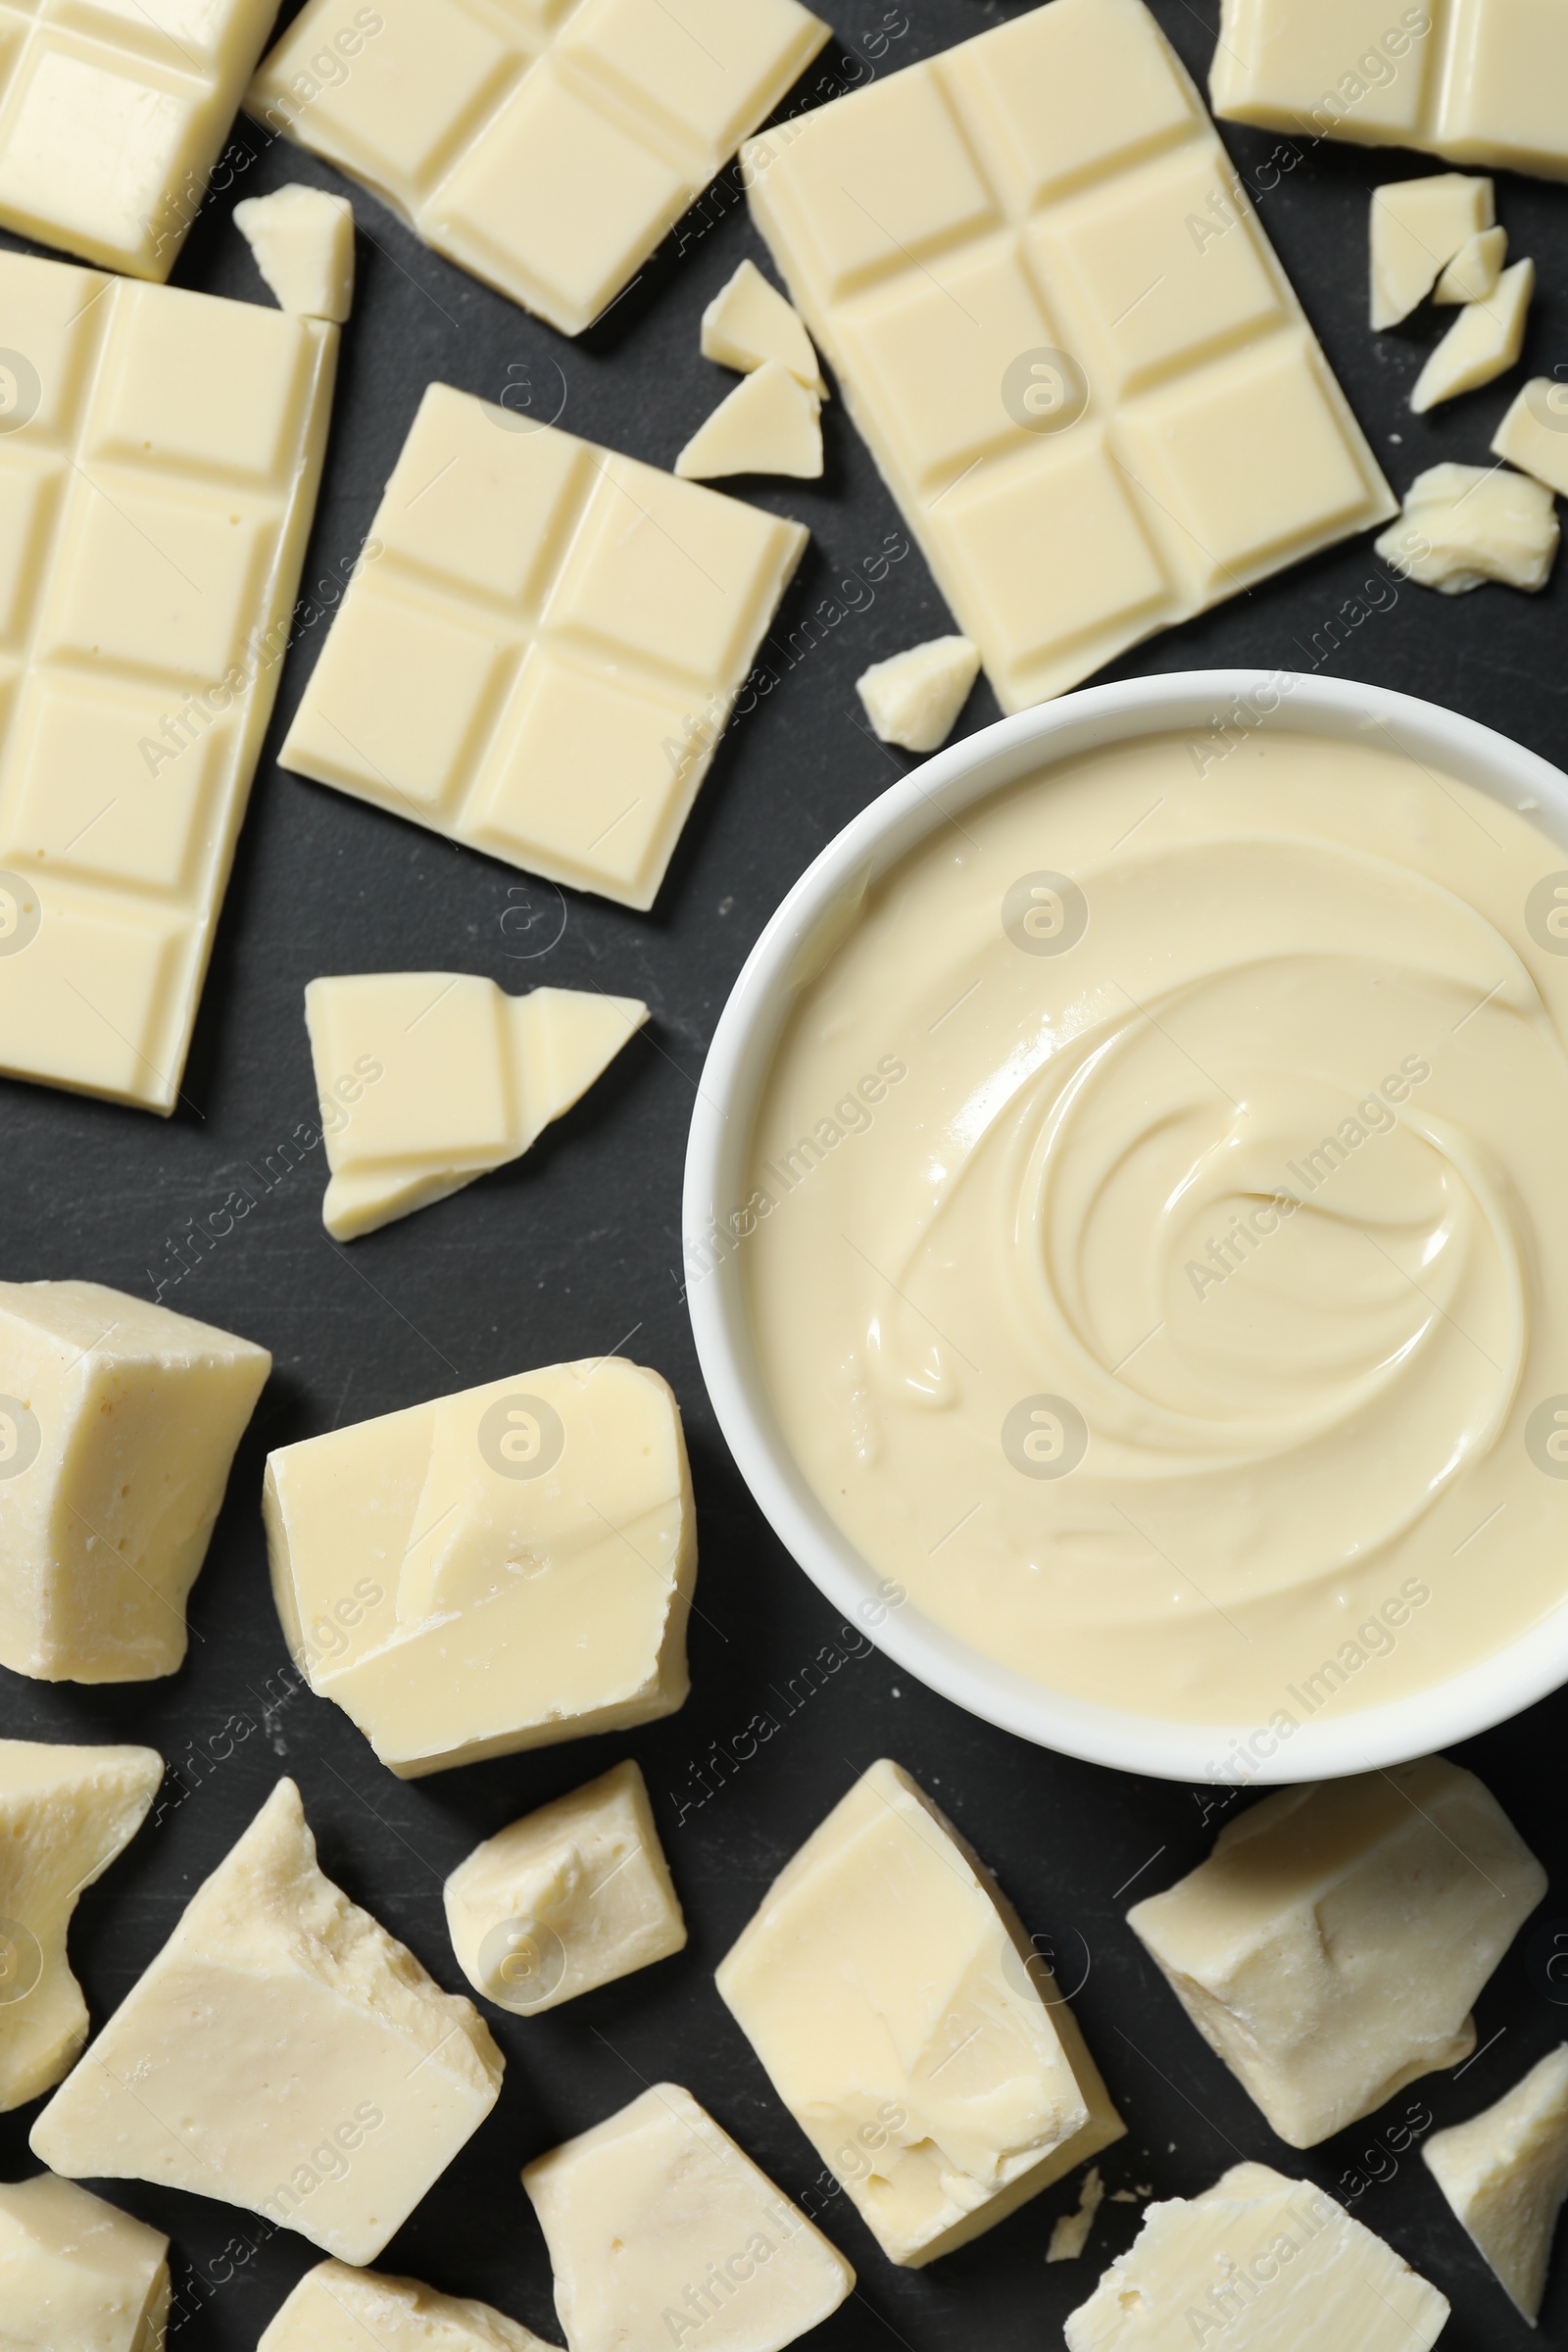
(64, 1814)
(914, 697)
(1506, 2174)
(1483, 341)
(770, 424)
(303, 241)
(1255, 2262)
(1417, 229)
(336, 2308)
(1473, 273)
(911, 2027)
(748, 321)
(1331, 1945)
(427, 1080)
(283, 2053)
(494, 1571)
(118, 1421)
(77, 2274)
(571, 1896)
(1465, 525)
(1069, 2232)
(1534, 434)
(659, 2225)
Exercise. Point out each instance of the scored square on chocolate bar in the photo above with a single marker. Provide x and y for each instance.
(1078, 364)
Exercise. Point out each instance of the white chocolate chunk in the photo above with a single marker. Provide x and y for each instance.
(338, 2309)
(1481, 84)
(77, 2274)
(911, 2029)
(545, 148)
(158, 473)
(498, 1570)
(770, 424)
(303, 240)
(545, 654)
(662, 2230)
(1464, 525)
(914, 697)
(1069, 2233)
(282, 2052)
(1506, 2174)
(64, 1814)
(1072, 350)
(1417, 226)
(430, 1079)
(748, 321)
(570, 1896)
(1473, 273)
(1257, 2262)
(1331, 1945)
(113, 125)
(1483, 341)
(118, 1421)
(1534, 435)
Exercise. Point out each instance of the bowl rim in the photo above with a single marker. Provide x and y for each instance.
(814, 914)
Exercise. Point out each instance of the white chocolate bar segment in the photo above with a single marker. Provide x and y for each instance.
(156, 491)
(542, 660)
(769, 423)
(545, 146)
(749, 322)
(430, 1079)
(1480, 81)
(1534, 434)
(77, 2274)
(112, 119)
(1075, 357)
(303, 241)
(498, 1570)
(1465, 525)
(1416, 227)
(1483, 341)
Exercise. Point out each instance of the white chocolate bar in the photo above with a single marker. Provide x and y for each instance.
(158, 475)
(112, 119)
(1076, 359)
(1480, 81)
(545, 146)
(430, 1079)
(542, 657)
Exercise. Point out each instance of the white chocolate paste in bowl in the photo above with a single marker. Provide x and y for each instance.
(1156, 1247)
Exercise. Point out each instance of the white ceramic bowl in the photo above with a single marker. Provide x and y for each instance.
(794, 947)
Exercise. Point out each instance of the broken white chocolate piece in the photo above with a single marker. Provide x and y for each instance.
(1473, 273)
(158, 472)
(430, 1079)
(112, 125)
(1330, 1947)
(1069, 2233)
(1483, 341)
(495, 1571)
(1482, 83)
(1102, 411)
(545, 654)
(64, 1814)
(77, 2274)
(1506, 2174)
(911, 2027)
(303, 240)
(1464, 525)
(1417, 226)
(1534, 435)
(770, 424)
(570, 1896)
(1256, 2262)
(547, 149)
(914, 697)
(338, 2309)
(748, 321)
(118, 1421)
(658, 2225)
(282, 2052)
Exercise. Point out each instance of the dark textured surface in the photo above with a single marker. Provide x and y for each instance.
(576, 1250)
